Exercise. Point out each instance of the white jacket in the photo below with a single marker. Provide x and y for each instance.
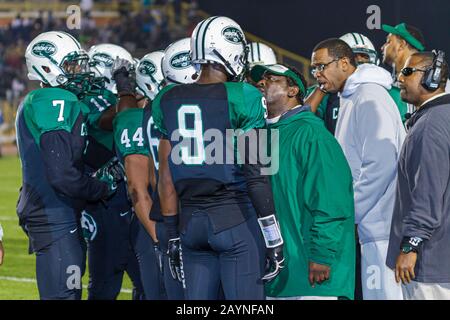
(370, 132)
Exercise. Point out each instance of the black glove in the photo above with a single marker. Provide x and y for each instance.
(274, 263)
(116, 169)
(274, 246)
(110, 173)
(104, 176)
(123, 74)
(175, 259)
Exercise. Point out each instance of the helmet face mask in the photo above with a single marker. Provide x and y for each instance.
(220, 40)
(77, 73)
(56, 59)
(101, 59)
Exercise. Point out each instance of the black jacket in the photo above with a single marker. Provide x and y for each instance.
(422, 206)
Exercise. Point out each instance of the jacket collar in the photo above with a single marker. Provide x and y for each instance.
(295, 111)
(288, 114)
(441, 100)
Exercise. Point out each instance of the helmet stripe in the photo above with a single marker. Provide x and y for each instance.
(199, 36)
(259, 52)
(204, 35)
(354, 37)
(73, 38)
(196, 39)
(252, 50)
(362, 39)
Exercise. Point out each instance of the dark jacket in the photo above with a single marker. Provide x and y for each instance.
(422, 206)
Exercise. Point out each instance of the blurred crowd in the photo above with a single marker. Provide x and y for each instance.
(139, 32)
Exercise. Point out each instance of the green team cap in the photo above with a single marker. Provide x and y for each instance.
(400, 30)
(258, 71)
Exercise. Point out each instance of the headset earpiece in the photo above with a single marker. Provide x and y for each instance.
(432, 76)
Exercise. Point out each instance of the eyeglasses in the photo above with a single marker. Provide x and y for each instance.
(407, 71)
(321, 67)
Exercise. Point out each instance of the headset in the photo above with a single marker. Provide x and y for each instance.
(432, 77)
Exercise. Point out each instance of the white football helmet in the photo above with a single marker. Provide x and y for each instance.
(149, 76)
(176, 63)
(219, 40)
(361, 44)
(101, 58)
(260, 53)
(56, 59)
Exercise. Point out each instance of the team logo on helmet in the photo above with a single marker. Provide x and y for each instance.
(44, 49)
(103, 59)
(147, 68)
(181, 60)
(232, 35)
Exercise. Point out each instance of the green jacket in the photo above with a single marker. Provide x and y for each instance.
(313, 195)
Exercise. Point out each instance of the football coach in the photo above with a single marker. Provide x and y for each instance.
(419, 250)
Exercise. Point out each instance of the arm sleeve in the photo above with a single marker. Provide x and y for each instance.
(62, 173)
(328, 195)
(377, 134)
(428, 167)
(258, 185)
(246, 110)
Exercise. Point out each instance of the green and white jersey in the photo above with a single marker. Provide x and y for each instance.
(199, 121)
(51, 136)
(129, 135)
(50, 109)
(100, 146)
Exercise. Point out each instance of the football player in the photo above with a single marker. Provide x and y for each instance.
(154, 71)
(215, 240)
(51, 137)
(108, 227)
(133, 151)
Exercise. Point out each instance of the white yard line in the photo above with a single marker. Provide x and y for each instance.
(31, 280)
(6, 218)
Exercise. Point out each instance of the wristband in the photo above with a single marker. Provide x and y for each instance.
(1, 233)
(409, 244)
(271, 231)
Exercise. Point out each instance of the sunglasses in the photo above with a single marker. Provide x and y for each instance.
(407, 71)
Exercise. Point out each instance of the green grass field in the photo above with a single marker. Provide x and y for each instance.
(17, 274)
